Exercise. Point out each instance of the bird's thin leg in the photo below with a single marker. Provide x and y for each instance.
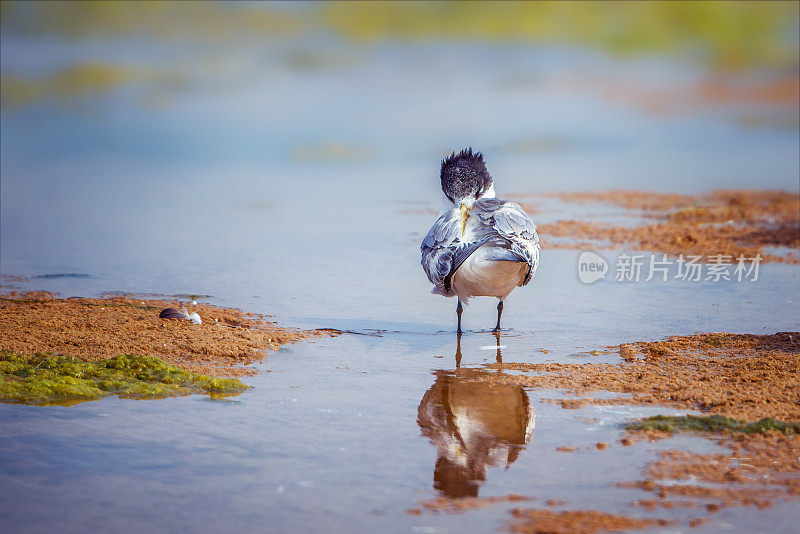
(458, 351)
(458, 311)
(499, 313)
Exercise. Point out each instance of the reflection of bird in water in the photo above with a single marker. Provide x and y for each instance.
(480, 245)
(474, 424)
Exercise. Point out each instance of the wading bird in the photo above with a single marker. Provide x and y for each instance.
(480, 245)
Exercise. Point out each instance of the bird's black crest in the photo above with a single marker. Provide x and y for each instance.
(464, 174)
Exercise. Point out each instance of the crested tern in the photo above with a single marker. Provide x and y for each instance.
(480, 246)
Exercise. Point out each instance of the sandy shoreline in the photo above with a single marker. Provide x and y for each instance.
(745, 376)
(737, 375)
(748, 377)
(92, 329)
(732, 223)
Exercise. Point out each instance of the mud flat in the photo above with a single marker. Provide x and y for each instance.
(530, 521)
(727, 222)
(737, 375)
(755, 470)
(95, 329)
(755, 378)
(450, 505)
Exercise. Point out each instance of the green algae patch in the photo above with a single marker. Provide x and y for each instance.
(54, 379)
(713, 423)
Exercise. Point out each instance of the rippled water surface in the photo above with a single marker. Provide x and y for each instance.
(303, 193)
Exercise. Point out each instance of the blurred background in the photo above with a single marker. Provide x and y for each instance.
(258, 151)
(284, 158)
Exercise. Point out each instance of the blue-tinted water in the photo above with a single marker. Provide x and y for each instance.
(304, 193)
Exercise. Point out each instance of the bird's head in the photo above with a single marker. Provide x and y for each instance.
(465, 178)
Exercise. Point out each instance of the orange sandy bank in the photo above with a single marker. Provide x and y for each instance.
(94, 329)
(724, 222)
(755, 470)
(737, 375)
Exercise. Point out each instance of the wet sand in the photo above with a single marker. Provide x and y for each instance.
(746, 376)
(737, 375)
(727, 222)
(464, 504)
(743, 376)
(528, 521)
(93, 329)
(755, 470)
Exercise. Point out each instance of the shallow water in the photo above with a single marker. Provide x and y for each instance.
(304, 194)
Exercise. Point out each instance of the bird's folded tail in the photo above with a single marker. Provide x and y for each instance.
(504, 254)
(503, 250)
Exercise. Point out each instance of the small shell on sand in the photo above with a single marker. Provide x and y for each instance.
(171, 313)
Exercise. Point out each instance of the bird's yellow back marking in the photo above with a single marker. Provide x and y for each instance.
(464, 216)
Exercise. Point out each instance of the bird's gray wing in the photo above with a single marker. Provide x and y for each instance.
(438, 249)
(510, 222)
(443, 250)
